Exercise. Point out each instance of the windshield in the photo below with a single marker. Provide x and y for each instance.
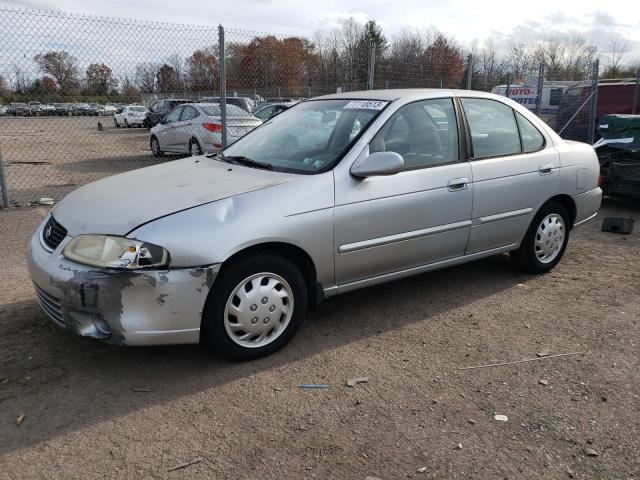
(310, 137)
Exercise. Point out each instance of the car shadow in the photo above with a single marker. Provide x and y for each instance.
(63, 383)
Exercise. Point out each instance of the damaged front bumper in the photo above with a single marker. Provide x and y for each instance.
(138, 307)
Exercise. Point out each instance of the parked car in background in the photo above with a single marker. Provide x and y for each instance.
(266, 112)
(63, 109)
(47, 109)
(244, 103)
(196, 129)
(109, 109)
(3, 110)
(82, 109)
(130, 116)
(18, 109)
(619, 154)
(34, 108)
(232, 249)
(160, 108)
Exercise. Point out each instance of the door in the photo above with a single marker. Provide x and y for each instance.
(184, 128)
(419, 216)
(167, 134)
(514, 170)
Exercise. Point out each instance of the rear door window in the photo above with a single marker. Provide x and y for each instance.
(493, 127)
(188, 113)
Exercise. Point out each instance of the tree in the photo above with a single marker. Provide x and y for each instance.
(372, 32)
(4, 87)
(62, 66)
(100, 79)
(146, 77)
(444, 63)
(48, 85)
(167, 79)
(129, 88)
(618, 48)
(202, 69)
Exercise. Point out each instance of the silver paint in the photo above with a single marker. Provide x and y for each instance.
(356, 231)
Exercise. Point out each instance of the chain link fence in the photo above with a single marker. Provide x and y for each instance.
(79, 94)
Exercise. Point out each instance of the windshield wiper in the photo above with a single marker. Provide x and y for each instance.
(247, 162)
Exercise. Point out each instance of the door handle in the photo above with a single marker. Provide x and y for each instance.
(545, 168)
(457, 184)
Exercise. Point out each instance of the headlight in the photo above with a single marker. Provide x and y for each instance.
(115, 252)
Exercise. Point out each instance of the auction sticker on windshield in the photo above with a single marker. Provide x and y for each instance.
(365, 104)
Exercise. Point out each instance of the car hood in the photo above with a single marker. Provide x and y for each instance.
(117, 205)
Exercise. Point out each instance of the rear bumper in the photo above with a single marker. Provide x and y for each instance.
(150, 307)
(587, 205)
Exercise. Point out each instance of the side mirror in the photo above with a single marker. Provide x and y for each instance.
(378, 164)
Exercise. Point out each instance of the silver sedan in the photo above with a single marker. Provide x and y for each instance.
(196, 128)
(337, 193)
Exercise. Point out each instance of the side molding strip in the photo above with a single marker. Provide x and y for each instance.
(400, 237)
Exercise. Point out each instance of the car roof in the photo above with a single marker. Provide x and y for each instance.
(404, 93)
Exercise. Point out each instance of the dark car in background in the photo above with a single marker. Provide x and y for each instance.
(265, 112)
(160, 108)
(18, 109)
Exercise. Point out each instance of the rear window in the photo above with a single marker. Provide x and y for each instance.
(232, 111)
(137, 109)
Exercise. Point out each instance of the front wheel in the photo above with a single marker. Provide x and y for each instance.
(255, 307)
(545, 241)
(155, 147)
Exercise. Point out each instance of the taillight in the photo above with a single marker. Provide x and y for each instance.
(600, 180)
(212, 127)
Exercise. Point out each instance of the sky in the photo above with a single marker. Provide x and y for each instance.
(465, 20)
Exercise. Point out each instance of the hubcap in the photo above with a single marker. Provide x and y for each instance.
(258, 310)
(549, 238)
(195, 149)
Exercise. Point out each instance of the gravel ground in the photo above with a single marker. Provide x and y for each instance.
(95, 411)
(49, 156)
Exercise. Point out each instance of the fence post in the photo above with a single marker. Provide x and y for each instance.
(540, 88)
(467, 83)
(223, 86)
(593, 108)
(508, 95)
(371, 71)
(3, 184)
(634, 110)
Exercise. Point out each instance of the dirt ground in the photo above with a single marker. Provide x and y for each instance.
(49, 156)
(95, 411)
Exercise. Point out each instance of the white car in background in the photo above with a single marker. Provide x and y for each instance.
(196, 128)
(129, 116)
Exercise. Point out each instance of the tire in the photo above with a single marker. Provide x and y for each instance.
(115, 122)
(276, 320)
(545, 241)
(154, 144)
(194, 148)
(126, 123)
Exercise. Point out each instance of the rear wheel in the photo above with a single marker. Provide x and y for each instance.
(194, 148)
(255, 307)
(155, 147)
(545, 241)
